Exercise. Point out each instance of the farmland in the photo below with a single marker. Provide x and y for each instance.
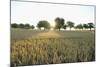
(35, 47)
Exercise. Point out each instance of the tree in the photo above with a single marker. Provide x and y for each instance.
(59, 23)
(14, 25)
(85, 26)
(21, 25)
(90, 25)
(32, 27)
(46, 25)
(39, 25)
(70, 24)
(79, 26)
(65, 26)
(27, 26)
(43, 23)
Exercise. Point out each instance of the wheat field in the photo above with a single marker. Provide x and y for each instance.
(31, 47)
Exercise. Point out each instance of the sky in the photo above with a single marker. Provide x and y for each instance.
(32, 13)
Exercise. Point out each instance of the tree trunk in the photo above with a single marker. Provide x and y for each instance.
(70, 29)
(90, 29)
(59, 29)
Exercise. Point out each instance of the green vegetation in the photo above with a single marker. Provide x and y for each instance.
(45, 24)
(70, 24)
(79, 26)
(48, 47)
(59, 24)
(90, 25)
(22, 26)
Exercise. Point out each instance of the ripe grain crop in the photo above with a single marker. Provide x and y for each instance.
(68, 47)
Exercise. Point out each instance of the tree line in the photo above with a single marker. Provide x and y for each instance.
(23, 26)
(59, 24)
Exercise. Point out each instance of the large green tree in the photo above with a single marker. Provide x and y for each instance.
(85, 26)
(70, 24)
(59, 23)
(90, 25)
(14, 25)
(27, 26)
(65, 26)
(43, 23)
(32, 27)
(79, 26)
(21, 25)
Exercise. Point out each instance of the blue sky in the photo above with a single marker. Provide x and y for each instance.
(32, 13)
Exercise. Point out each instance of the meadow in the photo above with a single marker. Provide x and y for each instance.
(35, 47)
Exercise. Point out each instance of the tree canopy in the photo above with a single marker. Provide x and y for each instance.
(85, 26)
(22, 26)
(26, 26)
(70, 24)
(32, 27)
(43, 23)
(90, 25)
(59, 23)
(14, 25)
(79, 26)
(65, 26)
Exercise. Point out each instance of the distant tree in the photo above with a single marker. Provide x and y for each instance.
(43, 23)
(14, 25)
(32, 27)
(90, 25)
(85, 26)
(21, 25)
(79, 26)
(27, 26)
(39, 25)
(47, 25)
(70, 24)
(65, 26)
(59, 23)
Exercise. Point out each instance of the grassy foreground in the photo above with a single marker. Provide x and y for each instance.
(30, 47)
